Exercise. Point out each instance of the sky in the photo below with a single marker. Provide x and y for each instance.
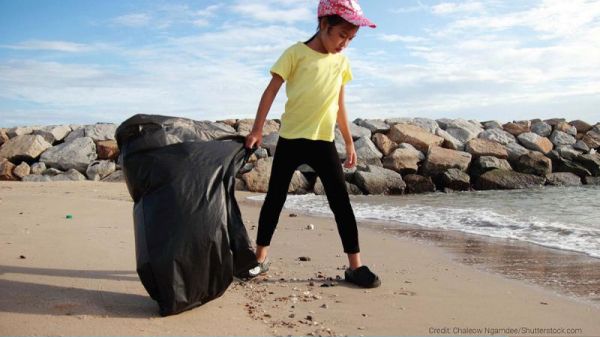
(88, 61)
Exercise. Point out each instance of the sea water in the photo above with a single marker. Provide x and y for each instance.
(566, 218)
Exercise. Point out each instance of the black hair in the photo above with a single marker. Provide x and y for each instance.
(332, 20)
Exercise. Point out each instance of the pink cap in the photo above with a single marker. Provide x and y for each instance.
(348, 9)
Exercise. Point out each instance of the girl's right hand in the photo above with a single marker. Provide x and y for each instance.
(253, 139)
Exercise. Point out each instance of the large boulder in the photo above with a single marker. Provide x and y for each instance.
(589, 180)
(482, 147)
(244, 126)
(340, 143)
(591, 162)
(418, 184)
(100, 131)
(319, 189)
(269, 142)
(560, 164)
(77, 154)
(563, 179)
(99, 169)
(568, 152)
(36, 178)
(560, 138)
(449, 141)
(3, 137)
(359, 131)
(38, 168)
(554, 121)
(534, 163)
(374, 125)
(70, 175)
(592, 139)
(383, 143)
(405, 159)
(566, 128)
(463, 130)
(107, 149)
(491, 125)
(581, 126)
(24, 148)
(541, 129)
(426, 124)
(22, 170)
(6, 170)
(439, 160)
(367, 152)
(515, 150)
(507, 180)
(257, 180)
(487, 163)
(19, 131)
(456, 180)
(414, 135)
(116, 177)
(517, 128)
(580, 145)
(498, 135)
(53, 133)
(378, 180)
(535, 142)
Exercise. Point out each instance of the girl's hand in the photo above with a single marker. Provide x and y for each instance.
(351, 157)
(253, 139)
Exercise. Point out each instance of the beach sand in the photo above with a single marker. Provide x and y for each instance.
(77, 276)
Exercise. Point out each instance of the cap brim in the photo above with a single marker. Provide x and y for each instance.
(360, 21)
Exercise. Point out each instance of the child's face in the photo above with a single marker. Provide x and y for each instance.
(338, 37)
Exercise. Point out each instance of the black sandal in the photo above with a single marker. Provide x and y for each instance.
(362, 277)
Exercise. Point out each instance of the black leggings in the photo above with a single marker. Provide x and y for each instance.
(323, 158)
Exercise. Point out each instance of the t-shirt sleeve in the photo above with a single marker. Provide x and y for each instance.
(346, 72)
(284, 65)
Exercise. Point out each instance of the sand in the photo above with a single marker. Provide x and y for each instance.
(77, 276)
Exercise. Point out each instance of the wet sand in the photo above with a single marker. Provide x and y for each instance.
(77, 276)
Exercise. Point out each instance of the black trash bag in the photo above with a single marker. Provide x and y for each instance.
(189, 236)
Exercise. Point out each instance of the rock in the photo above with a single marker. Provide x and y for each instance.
(443, 122)
(534, 163)
(22, 170)
(367, 152)
(581, 126)
(38, 168)
(591, 162)
(482, 147)
(533, 141)
(100, 131)
(257, 180)
(567, 152)
(563, 165)
(562, 179)
(456, 179)
(319, 189)
(6, 170)
(76, 133)
(116, 177)
(506, 180)
(541, 129)
(305, 168)
(358, 131)
(592, 139)
(414, 135)
(566, 128)
(53, 133)
(77, 154)
(426, 124)
(498, 135)
(492, 125)
(99, 169)
(517, 128)
(51, 172)
(269, 142)
(107, 149)
(3, 137)
(383, 143)
(404, 159)
(19, 131)
(581, 146)
(515, 151)
(418, 184)
(463, 130)
(24, 148)
(244, 126)
(589, 180)
(261, 153)
(36, 178)
(71, 175)
(340, 144)
(560, 138)
(449, 141)
(374, 125)
(487, 163)
(554, 121)
(378, 180)
(439, 160)
(240, 185)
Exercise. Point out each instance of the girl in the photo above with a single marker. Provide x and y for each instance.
(316, 73)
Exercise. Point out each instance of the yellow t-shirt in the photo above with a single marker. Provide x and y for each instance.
(313, 83)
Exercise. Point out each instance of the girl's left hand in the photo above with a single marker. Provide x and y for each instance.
(351, 157)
